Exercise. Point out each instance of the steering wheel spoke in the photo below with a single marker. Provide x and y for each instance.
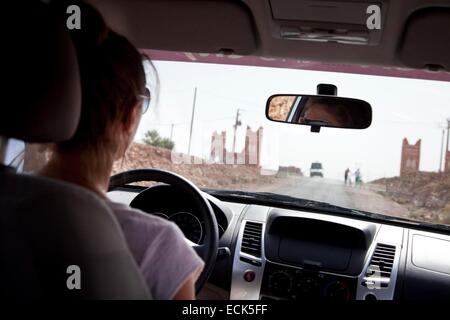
(199, 248)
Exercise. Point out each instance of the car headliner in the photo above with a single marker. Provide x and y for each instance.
(413, 32)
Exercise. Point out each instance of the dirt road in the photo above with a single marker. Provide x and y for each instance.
(335, 192)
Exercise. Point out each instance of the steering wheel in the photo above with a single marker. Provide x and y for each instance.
(208, 250)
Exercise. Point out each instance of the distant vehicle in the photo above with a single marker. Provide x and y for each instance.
(316, 170)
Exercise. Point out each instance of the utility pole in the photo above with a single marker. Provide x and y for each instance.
(171, 132)
(442, 150)
(236, 124)
(446, 149)
(192, 120)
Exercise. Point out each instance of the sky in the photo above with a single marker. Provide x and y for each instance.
(415, 109)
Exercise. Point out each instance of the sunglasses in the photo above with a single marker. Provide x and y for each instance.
(145, 100)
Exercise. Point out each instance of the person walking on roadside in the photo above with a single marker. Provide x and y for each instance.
(346, 174)
(358, 180)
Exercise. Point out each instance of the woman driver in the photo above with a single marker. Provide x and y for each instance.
(114, 97)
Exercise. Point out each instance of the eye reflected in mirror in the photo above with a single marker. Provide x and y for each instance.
(320, 111)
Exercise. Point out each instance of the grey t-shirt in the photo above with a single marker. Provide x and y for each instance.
(160, 249)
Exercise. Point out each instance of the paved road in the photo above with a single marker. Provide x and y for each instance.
(335, 192)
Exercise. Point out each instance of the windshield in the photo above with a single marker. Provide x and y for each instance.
(209, 125)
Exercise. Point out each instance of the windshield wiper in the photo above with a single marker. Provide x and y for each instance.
(273, 199)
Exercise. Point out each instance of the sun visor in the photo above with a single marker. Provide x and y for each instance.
(426, 40)
(209, 26)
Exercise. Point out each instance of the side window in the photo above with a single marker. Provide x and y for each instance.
(25, 157)
(15, 152)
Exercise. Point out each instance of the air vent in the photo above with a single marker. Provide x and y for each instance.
(380, 267)
(251, 239)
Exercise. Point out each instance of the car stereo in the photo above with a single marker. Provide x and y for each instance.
(282, 282)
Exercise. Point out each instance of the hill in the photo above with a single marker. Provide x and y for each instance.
(426, 194)
(203, 175)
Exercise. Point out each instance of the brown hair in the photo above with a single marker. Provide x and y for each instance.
(112, 78)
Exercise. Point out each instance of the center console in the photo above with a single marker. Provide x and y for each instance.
(313, 259)
(290, 255)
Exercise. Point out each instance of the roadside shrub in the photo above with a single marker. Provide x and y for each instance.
(153, 138)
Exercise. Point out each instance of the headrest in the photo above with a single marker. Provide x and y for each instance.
(42, 101)
(426, 39)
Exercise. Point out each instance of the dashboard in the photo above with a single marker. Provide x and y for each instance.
(279, 253)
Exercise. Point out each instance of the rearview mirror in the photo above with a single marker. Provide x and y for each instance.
(319, 111)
